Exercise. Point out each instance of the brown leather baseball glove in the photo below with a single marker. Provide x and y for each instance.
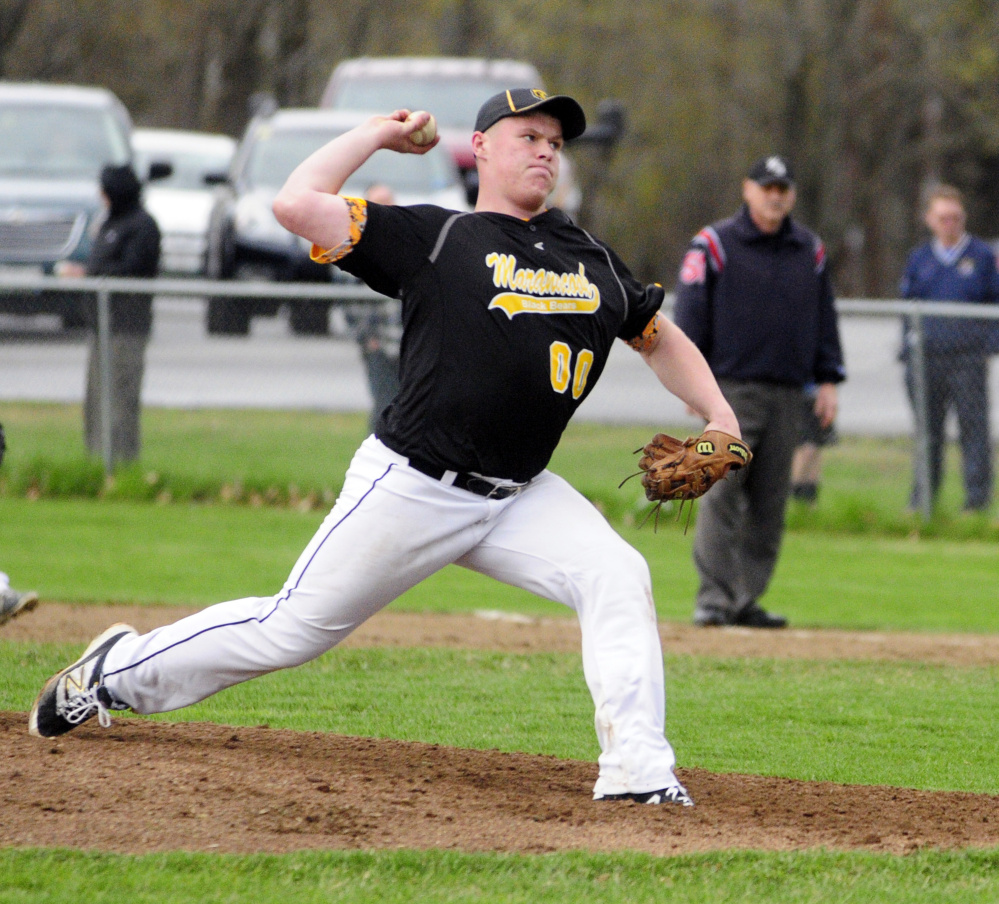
(687, 470)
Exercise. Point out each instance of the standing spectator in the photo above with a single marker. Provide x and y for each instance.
(127, 244)
(755, 297)
(806, 466)
(953, 266)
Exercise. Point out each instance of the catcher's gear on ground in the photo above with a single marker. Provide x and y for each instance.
(672, 469)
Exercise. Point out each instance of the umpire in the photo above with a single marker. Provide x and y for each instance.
(755, 297)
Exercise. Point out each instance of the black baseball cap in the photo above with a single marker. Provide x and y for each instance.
(771, 170)
(517, 101)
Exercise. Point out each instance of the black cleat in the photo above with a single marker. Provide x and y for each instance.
(675, 794)
(76, 694)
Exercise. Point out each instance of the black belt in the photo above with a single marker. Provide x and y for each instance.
(481, 486)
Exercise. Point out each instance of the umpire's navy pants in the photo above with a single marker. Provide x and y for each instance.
(740, 522)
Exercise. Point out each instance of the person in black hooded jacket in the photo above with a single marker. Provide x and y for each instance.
(128, 245)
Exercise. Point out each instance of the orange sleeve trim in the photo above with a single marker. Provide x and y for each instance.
(357, 210)
(648, 339)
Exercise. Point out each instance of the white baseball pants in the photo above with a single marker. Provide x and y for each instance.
(393, 526)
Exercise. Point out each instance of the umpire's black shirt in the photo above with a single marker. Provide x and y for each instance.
(759, 306)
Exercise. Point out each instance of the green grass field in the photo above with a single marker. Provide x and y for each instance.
(401, 877)
(877, 723)
(194, 554)
(168, 531)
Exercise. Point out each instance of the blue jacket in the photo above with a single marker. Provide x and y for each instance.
(967, 274)
(760, 306)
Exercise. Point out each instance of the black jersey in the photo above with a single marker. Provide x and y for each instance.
(507, 325)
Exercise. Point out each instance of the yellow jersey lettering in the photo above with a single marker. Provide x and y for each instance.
(561, 366)
(584, 361)
(512, 304)
(540, 291)
(503, 267)
(561, 357)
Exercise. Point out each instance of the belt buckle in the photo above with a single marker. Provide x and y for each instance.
(500, 491)
(489, 490)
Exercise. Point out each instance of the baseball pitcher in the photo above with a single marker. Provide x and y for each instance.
(509, 313)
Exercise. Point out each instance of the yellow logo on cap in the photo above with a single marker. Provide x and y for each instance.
(539, 94)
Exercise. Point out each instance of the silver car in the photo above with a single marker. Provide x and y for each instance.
(181, 204)
(247, 242)
(453, 89)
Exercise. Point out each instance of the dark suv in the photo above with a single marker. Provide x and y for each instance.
(54, 140)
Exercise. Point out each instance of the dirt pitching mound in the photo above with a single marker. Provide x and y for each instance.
(149, 786)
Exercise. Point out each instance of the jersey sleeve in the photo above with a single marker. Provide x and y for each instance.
(387, 244)
(643, 302)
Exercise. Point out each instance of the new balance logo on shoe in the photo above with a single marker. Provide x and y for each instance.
(76, 693)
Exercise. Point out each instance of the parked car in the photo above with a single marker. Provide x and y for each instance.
(246, 241)
(54, 140)
(453, 89)
(182, 202)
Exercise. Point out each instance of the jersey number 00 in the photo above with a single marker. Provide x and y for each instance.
(561, 368)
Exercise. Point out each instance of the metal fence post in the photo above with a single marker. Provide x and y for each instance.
(921, 415)
(104, 370)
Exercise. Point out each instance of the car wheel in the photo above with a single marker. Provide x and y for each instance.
(225, 316)
(228, 317)
(74, 320)
(72, 308)
(309, 319)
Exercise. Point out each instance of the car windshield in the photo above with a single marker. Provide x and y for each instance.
(454, 102)
(274, 154)
(59, 141)
(189, 167)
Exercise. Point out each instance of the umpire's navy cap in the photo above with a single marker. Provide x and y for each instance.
(772, 170)
(518, 101)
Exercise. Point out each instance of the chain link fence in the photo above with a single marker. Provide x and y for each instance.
(902, 380)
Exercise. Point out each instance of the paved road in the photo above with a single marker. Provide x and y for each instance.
(274, 369)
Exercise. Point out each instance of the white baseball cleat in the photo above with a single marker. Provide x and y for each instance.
(76, 694)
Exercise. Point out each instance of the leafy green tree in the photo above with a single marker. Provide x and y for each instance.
(873, 99)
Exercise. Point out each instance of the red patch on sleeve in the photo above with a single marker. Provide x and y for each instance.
(694, 269)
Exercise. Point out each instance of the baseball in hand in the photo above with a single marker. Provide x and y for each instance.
(427, 133)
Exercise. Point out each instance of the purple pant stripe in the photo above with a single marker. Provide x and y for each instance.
(277, 602)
